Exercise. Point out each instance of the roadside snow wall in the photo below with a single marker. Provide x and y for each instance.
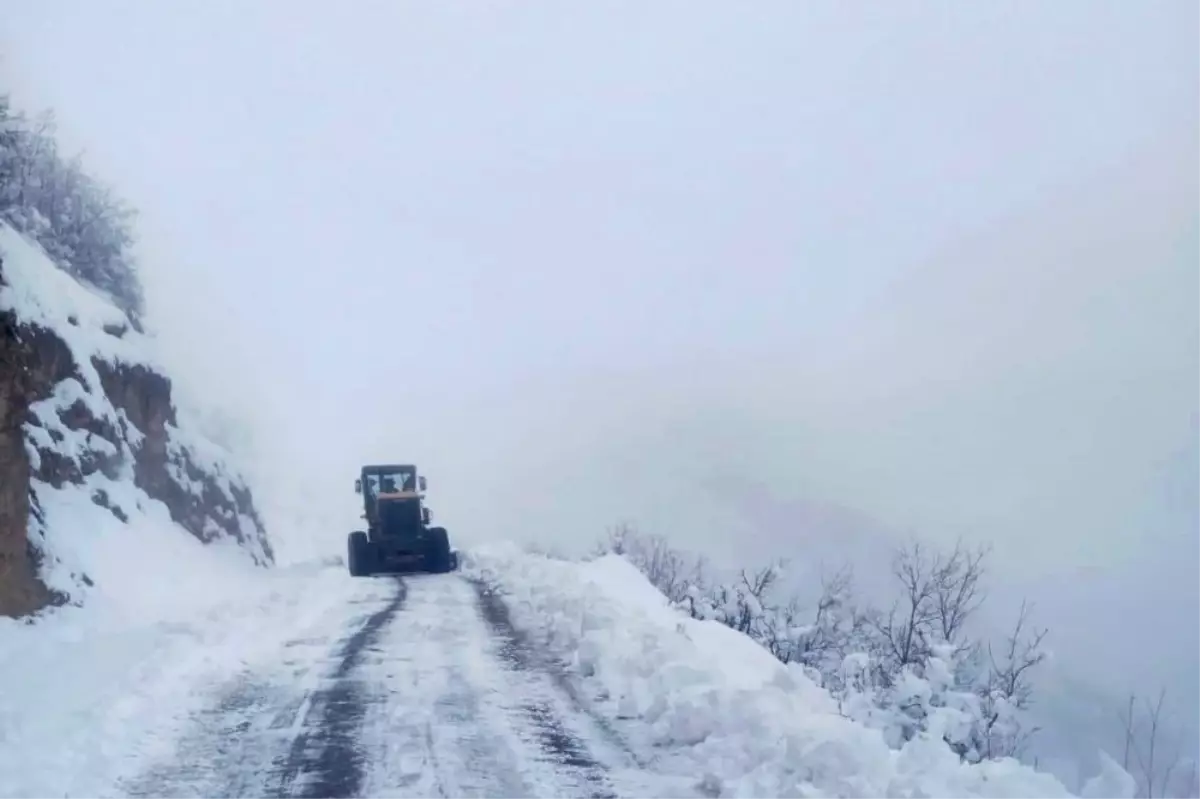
(92, 458)
(701, 700)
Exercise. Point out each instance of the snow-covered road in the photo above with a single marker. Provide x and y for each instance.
(522, 675)
(415, 687)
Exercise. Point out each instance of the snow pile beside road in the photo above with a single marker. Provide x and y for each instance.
(90, 695)
(710, 702)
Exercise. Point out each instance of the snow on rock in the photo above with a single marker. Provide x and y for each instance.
(712, 703)
(89, 436)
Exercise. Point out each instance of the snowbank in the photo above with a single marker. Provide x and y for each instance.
(712, 703)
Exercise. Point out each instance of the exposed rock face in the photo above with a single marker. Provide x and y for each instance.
(64, 423)
(21, 591)
(206, 502)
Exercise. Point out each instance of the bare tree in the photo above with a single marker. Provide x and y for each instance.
(819, 636)
(746, 604)
(957, 588)
(904, 630)
(939, 595)
(1144, 740)
(1009, 689)
(779, 633)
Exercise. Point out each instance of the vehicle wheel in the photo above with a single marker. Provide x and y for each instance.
(358, 554)
(438, 555)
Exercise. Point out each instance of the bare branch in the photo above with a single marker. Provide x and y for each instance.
(1145, 737)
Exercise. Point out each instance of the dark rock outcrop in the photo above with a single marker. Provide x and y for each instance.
(197, 497)
(28, 363)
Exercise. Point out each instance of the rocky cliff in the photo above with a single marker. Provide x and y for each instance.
(87, 412)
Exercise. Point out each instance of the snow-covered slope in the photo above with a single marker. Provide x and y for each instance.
(702, 699)
(96, 467)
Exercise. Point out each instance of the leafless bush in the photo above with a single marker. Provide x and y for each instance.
(938, 595)
(667, 569)
(1008, 690)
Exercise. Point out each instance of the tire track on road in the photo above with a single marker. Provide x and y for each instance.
(325, 759)
(288, 730)
(563, 745)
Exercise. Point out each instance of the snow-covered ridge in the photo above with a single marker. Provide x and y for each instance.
(91, 437)
(710, 702)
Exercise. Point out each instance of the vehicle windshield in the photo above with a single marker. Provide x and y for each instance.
(389, 482)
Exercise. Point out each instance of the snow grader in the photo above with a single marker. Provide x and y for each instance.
(398, 538)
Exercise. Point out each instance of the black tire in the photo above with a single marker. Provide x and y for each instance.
(359, 554)
(438, 554)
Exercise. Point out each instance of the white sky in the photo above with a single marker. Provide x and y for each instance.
(769, 277)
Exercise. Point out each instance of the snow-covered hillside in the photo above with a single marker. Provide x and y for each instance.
(97, 469)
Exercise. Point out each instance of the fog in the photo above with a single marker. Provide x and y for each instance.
(780, 278)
